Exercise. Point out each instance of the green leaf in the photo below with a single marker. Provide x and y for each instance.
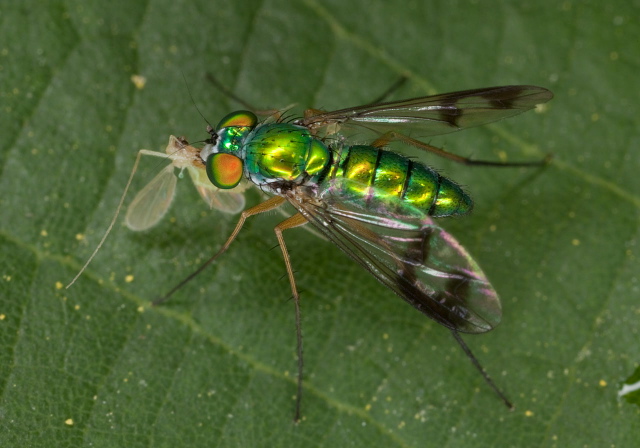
(95, 365)
(630, 388)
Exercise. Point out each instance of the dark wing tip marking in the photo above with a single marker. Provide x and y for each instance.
(451, 115)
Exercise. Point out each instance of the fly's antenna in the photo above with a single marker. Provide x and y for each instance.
(194, 101)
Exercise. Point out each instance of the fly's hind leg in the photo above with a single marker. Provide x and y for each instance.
(294, 221)
(393, 136)
(478, 366)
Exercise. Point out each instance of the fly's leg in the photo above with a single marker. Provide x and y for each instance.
(397, 137)
(142, 152)
(294, 221)
(265, 206)
(477, 365)
(395, 86)
(228, 93)
(309, 112)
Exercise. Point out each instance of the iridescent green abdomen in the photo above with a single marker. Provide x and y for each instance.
(378, 175)
(280, 151)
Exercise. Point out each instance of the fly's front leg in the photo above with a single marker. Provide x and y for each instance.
(265, 206)
(275, 113)
(395, 86)
(295, 221)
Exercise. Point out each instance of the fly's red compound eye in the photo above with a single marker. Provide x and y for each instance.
(240, 118)
(224, 170)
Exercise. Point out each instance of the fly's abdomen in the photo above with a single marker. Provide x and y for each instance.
(387, 178)
(281, 151)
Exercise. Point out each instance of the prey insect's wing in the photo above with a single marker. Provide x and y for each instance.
(411, 255)
(153, 201)
(429, 115)
(228, 201)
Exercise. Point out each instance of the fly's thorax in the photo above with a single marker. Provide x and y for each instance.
(384, 179)
(284, 152)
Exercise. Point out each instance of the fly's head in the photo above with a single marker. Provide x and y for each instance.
(222, 153)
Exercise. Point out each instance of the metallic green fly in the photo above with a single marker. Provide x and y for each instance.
(378, 206)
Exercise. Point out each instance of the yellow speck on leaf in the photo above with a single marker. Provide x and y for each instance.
(139, 81)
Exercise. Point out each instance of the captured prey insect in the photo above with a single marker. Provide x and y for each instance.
(154, 200)
(376, 205)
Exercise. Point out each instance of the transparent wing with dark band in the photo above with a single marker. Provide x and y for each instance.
(413, 257)
(429, 115)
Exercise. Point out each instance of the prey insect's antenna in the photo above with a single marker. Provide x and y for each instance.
(477, 365)
(146, 217)
(113, 220)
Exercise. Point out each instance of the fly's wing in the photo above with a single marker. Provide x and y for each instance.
(429, 115)
(411, 255)
(228, 201)
(153, 201)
